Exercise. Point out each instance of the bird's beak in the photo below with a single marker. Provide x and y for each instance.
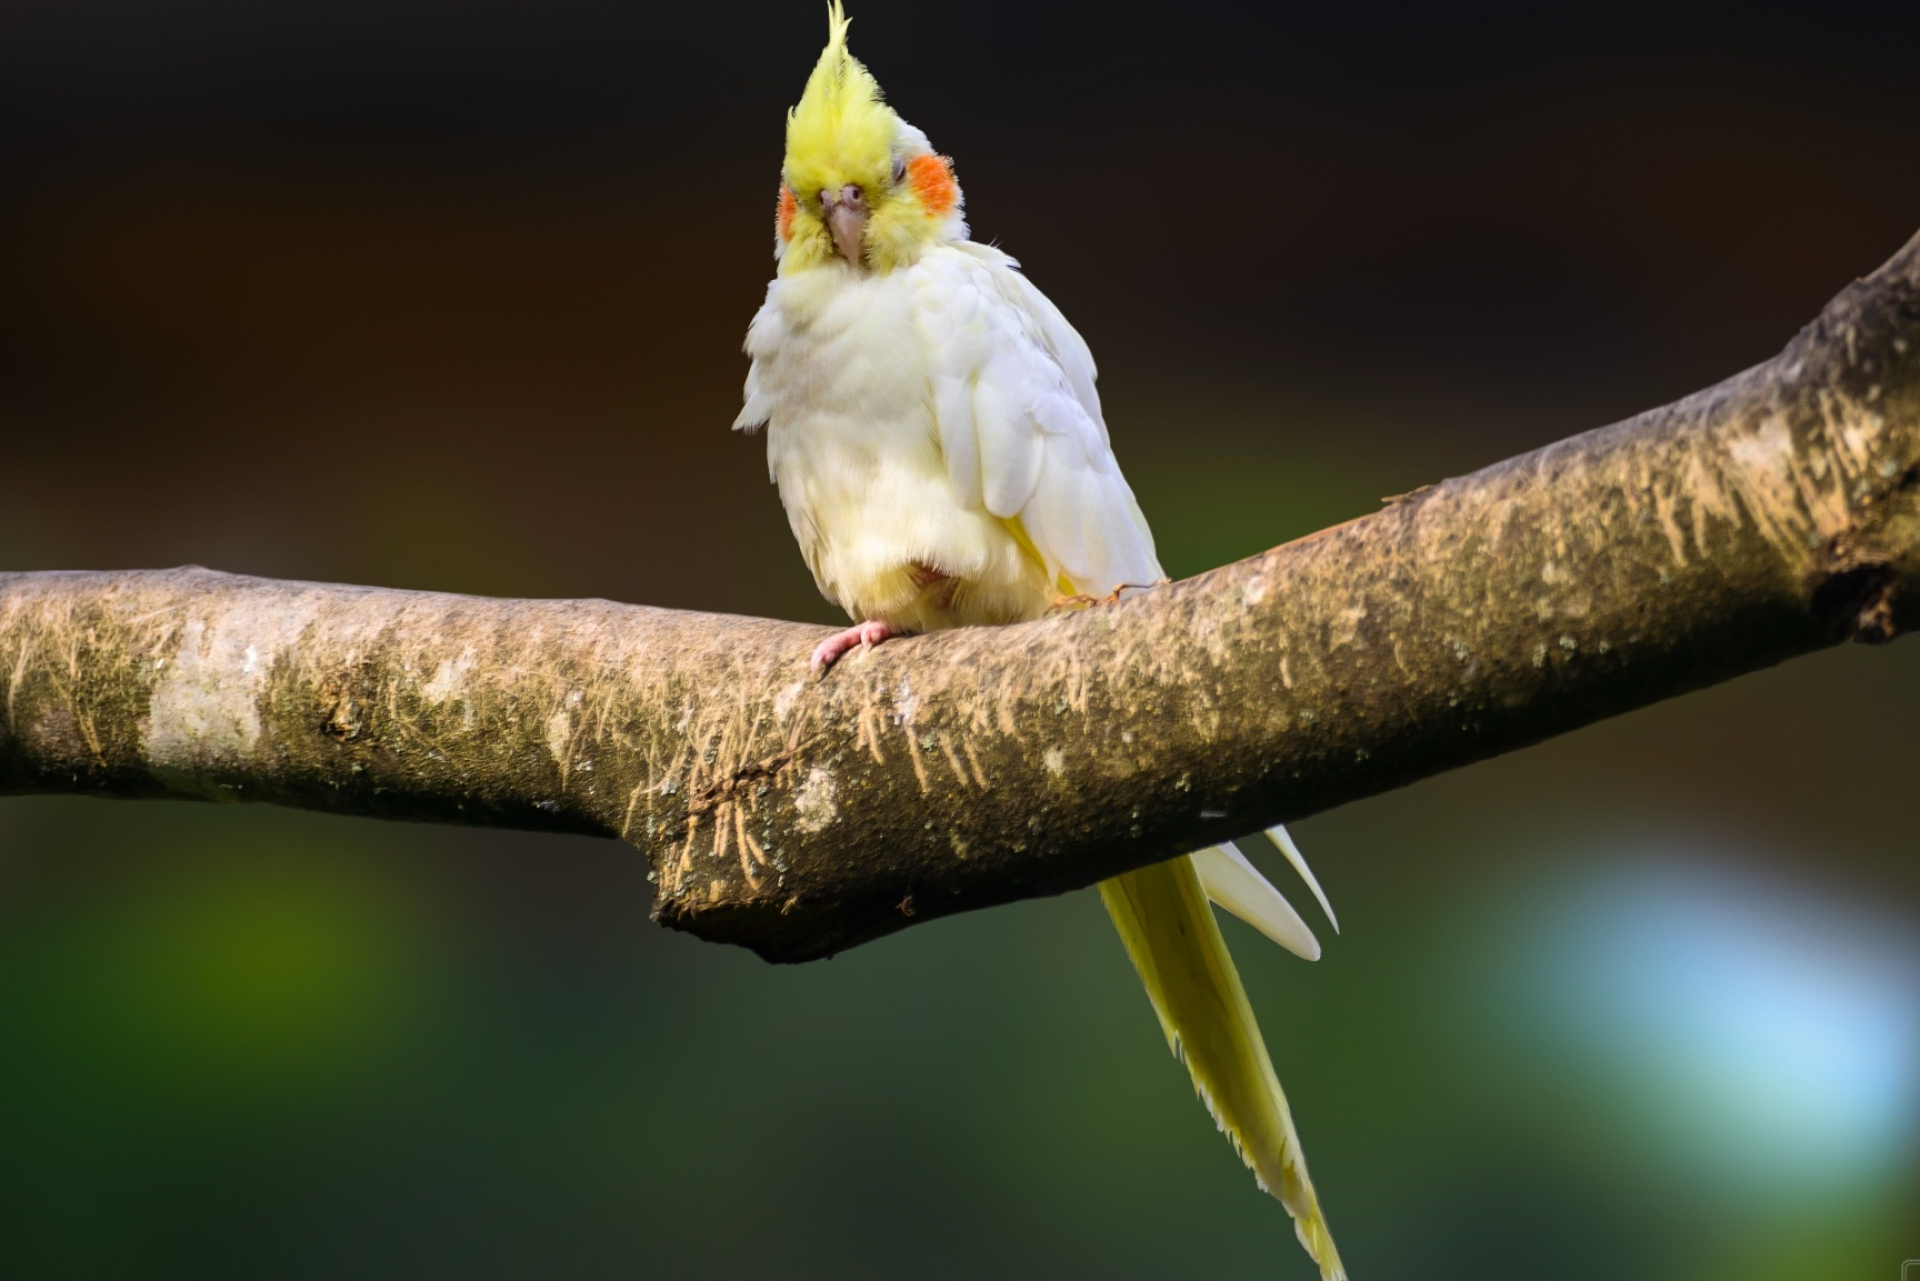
(846, 213)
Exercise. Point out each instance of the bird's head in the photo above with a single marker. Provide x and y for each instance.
(860, 185)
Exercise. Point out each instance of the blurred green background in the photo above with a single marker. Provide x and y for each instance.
(449, 295)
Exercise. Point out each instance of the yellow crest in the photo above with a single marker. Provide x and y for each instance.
(842, 131)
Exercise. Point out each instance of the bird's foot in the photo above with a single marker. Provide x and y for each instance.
(1120, 588)
(1111, 598)
(860, 636)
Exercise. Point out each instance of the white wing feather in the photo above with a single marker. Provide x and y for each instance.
(1019, 421)
(767, 330)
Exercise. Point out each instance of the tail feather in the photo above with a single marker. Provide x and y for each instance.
(1234, 883)
(1171, 935)
(1284, 843)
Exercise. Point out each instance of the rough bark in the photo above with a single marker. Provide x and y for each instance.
(1774, 514)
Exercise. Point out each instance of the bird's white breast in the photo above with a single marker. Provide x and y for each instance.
(843, 376)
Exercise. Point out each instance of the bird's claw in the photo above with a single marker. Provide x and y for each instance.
(860, 636)
(1111, 598)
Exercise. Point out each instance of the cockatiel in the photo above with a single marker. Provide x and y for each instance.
(933, 427)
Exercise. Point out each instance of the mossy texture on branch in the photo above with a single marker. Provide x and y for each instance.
(1774, 514)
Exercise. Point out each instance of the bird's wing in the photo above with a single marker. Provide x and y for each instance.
(1020, 428)
(764, 336)
(1019, 422)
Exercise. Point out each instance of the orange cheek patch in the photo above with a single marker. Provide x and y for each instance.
(783, 217)
(932, 178)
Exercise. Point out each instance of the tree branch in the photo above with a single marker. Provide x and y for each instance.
(1774, 514)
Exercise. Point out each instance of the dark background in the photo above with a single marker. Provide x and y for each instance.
(450, 295)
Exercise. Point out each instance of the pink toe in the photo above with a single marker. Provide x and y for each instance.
(835, 647)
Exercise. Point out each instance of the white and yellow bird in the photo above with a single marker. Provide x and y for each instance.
(933, 427)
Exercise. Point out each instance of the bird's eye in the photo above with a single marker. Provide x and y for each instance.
(899, 169)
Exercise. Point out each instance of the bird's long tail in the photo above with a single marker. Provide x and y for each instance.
(1169, 930)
